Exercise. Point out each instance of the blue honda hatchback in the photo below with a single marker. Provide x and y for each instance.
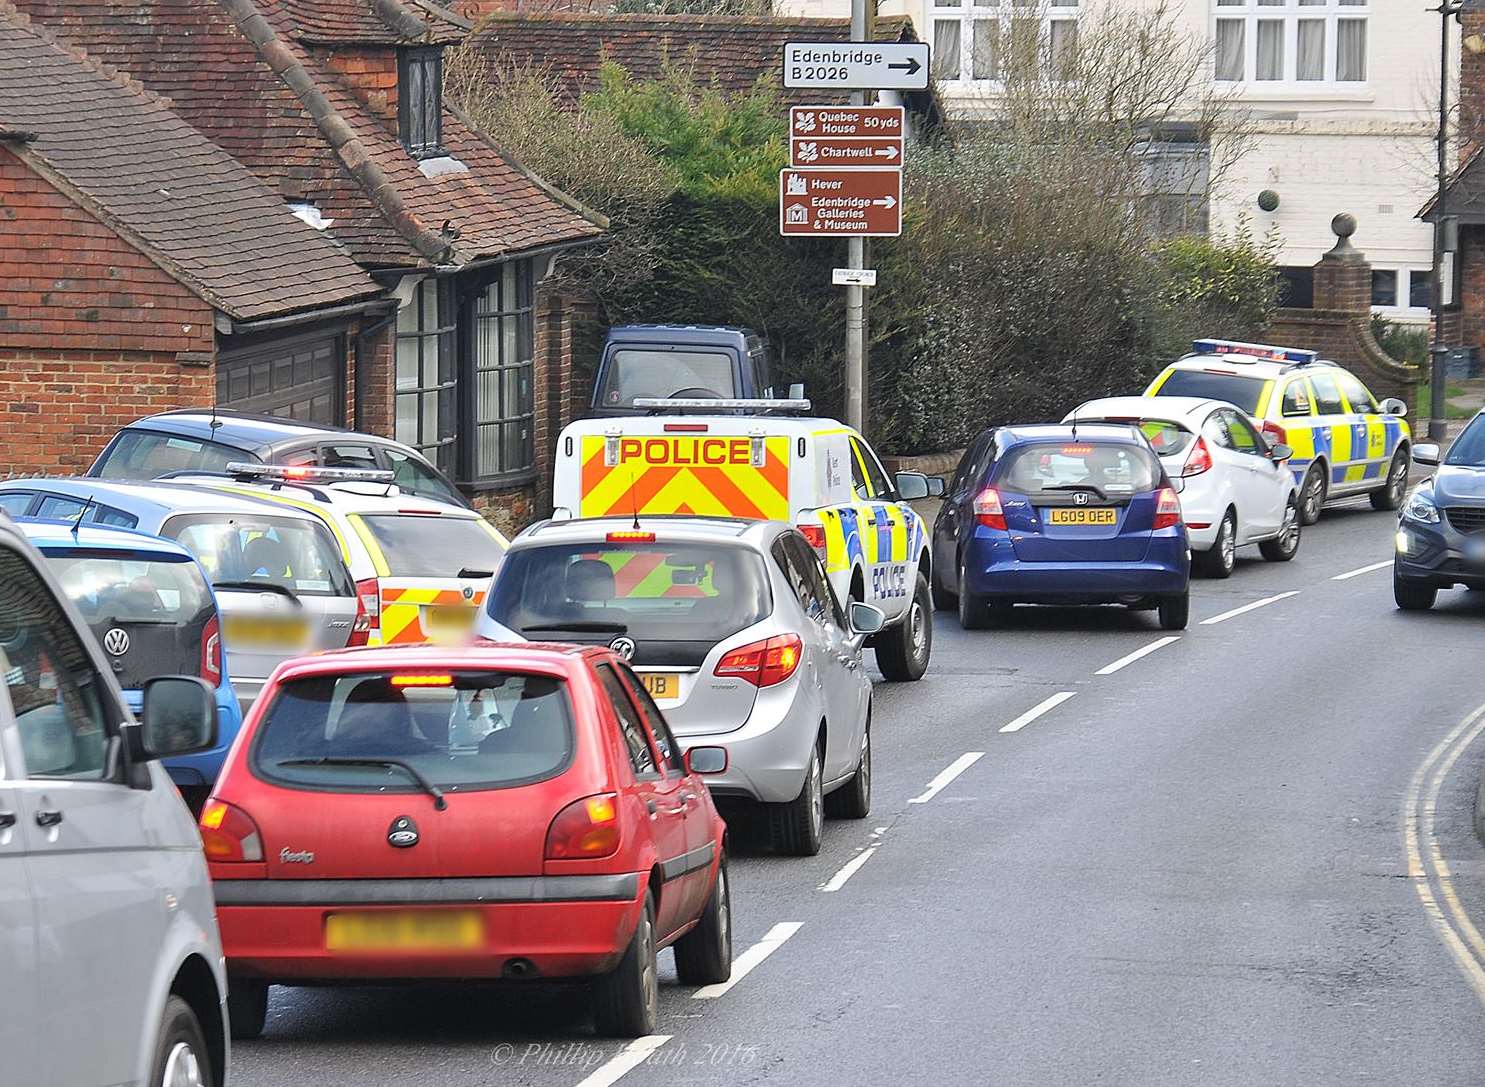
(151, 607)
(1061, 515)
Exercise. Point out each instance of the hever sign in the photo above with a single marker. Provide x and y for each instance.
(869, 136)
(840, 203)
(863, 66)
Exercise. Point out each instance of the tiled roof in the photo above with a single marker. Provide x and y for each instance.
(121, 152)
(385, 22)
(1465, 198)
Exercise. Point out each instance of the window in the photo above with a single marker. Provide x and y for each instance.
(1234, 388)
(1290, 41)
(295, 553)
(149, 454)
(340, 455)
(634, 734)
(417, 545)
(503, 401)
(881, 486)
(1402, 288)
(1296, 399)
(1327, 395)
(633, 372)
(56, 696)
(1214, 430)
(1244, 438)
(1357, 396)
(825, 607)
(420, 101)
(16, 503)
(58, 507)
(415, 477)
(1384, 287)
(979, 40)
(670, 751)
(425, 371)
(1297, 287)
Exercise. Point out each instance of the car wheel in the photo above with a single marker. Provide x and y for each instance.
(247, 1006)
(943, 600)
(181, 1056)
(1175, 611)
(1283, 547)
(1312, 494)
(626, 1002)
(853, 799)
(1390, 497)
(903, 650)
(704, 955)
(1413, 595)
(973, 615)
(799, 824)
(1221, 559)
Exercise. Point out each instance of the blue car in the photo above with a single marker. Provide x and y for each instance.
(1061, 515)
(151, 607)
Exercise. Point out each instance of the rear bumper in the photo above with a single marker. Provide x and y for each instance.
(564, 926)
(1437, 557)
(993, 571)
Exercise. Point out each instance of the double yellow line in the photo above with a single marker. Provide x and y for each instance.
(1428, 869)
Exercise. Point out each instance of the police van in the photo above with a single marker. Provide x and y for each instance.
(766, 460)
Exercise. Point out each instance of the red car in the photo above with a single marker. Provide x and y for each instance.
(508, 812)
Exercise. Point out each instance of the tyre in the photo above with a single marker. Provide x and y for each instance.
(181, 1056)
(247, 1006)
(1174, 611)
(1221, 559)
(943, 600)
(973, 615)
(1413, 595)
(853, 799)
(704, 955)
(626, 1001)
(1312, 494)
(903, 650)
(799, 824)
(1285, 545)
(1390, 497)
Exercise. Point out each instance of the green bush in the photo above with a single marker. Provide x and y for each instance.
(1406, 343)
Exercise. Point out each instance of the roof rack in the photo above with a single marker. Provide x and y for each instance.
(660, 405)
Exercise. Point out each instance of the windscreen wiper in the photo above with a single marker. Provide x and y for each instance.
(580, 626)
(470, 571)
(439, 803)
(259, 586)
(1078, 487)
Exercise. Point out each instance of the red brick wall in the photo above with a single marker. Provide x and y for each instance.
(67, 282)
(1471, 87)
(1465, 326)
(60, 408)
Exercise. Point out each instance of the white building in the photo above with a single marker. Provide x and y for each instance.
(1342, 95)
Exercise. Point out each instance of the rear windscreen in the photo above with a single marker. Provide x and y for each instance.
(459, 730)
(1165, 437)
(1234, 388)
(633, 372)
(423, 546)
(1113, 469)
(145, 454)
(299, 555)
(591, 592)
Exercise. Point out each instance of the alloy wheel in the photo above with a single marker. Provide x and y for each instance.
(816, 786)
(182, 1068)
(1228, 543)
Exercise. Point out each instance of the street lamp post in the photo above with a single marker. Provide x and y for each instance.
(1438, 353)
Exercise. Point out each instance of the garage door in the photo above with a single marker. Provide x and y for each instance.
(301, 378)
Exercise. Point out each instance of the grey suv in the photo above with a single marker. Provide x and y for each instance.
(1441, 527)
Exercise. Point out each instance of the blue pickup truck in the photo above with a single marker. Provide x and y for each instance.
(678, 361)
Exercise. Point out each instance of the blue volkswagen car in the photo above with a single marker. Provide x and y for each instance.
(151, 607)
(1061, 514)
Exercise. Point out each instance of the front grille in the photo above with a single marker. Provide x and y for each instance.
(1466, 518)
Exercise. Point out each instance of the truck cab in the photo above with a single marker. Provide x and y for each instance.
(678, 361)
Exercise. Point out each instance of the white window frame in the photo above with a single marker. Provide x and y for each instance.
(1291, 13)
(1406, 276)
(968, 12)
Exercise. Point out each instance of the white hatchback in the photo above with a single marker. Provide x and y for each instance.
(1235, 487)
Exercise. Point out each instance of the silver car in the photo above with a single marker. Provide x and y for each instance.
(280, 574)
(737, 635)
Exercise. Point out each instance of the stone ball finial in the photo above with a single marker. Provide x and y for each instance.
(1343, 225)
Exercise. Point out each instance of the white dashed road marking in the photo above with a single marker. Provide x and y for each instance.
(1130, 658)
(952, 771)
(849, 869)
(1364, 570)
(1235, 612)
(626, 1060)
(1036, 711)
(744, 964)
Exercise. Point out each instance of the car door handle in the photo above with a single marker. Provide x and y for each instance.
(651, 806)
(48, 817)
(7, 819)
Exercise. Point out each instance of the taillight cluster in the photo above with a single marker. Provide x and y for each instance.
(1199, 460)
(988, 511)
(368, 611)
(765, 663)
(228, 834)
(1167, 509)
(211, 651)
(586, 829)
(814, 535)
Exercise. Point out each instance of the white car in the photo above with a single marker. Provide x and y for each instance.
(1236, 488)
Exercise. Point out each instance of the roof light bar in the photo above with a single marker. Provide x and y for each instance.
(1255, 350)
(308, 473)
(706, 403)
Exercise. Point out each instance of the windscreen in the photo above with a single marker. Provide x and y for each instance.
(458, 730)
(1166, 438)
(634, 372)
(1234, 388)
(146, 454)
(299, 555)
(592, 592)
(1115, 470)
(427, 546)
(1468, 450)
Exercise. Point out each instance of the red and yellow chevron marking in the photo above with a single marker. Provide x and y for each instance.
(640, 575)
(700, 476)
(402, 612)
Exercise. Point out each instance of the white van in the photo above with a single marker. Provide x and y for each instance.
(112, 965)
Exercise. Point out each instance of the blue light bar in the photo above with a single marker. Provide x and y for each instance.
(1256, 350)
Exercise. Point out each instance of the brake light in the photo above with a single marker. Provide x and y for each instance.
(228, 834)
(584, 830)
(763, 664)
(423, 680)
(1199, 460)
(370, 593)
(814, 535)
(211, 651)
(987, 509)
(361, 625)
(630, 537)
(687, 428)
(1274, 433)
(1167, 509)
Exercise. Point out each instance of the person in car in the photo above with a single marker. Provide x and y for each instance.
(378, 722)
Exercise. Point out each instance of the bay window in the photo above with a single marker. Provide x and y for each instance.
(425, 371)
(1307, 42)
(975, 41)
(503, 404)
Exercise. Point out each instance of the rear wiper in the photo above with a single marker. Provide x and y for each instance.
(439, 803)
(579, 626)
(1078, 487)
(259, 586)
(470, 571)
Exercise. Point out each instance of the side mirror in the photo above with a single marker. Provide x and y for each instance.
(1279, 452)
(1393, 406)
(179, 718)
(706, 760)
(912, 485)
(866, 618)
(936, 486)
(1426, 453)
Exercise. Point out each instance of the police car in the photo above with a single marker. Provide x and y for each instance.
(751, 459)
(1343, 442)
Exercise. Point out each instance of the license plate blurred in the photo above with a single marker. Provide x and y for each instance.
(421, 930)
(447, 622)
(1105, 515)
(246, 631)
(661, 685)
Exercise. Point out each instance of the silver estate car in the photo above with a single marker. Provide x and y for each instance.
(738, 637)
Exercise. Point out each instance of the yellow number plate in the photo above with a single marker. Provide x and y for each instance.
(1077, 516)
(247, 631)
(423, 930)
(662, 685)
(447, 622)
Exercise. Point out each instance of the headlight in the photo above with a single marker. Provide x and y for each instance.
(1420, 507)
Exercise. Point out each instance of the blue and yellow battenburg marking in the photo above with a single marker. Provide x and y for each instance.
(1355, 451)
(851, 539)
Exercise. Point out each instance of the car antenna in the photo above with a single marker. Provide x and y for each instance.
(633, 500)
(1075, 424)
(81, 514)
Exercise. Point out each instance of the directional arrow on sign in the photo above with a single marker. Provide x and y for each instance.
(911, 66)
(888, 202)
(889, 153)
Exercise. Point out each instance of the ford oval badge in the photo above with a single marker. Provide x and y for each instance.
(403, 833)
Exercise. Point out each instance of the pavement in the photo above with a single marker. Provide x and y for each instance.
(1098, 854)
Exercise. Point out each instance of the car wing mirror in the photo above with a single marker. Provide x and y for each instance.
(1393, 406)
(706, 760)
(1279, 452)
(179, 718)
(1426, 453)
(866, 618)
(935, 486)
(912, 486)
